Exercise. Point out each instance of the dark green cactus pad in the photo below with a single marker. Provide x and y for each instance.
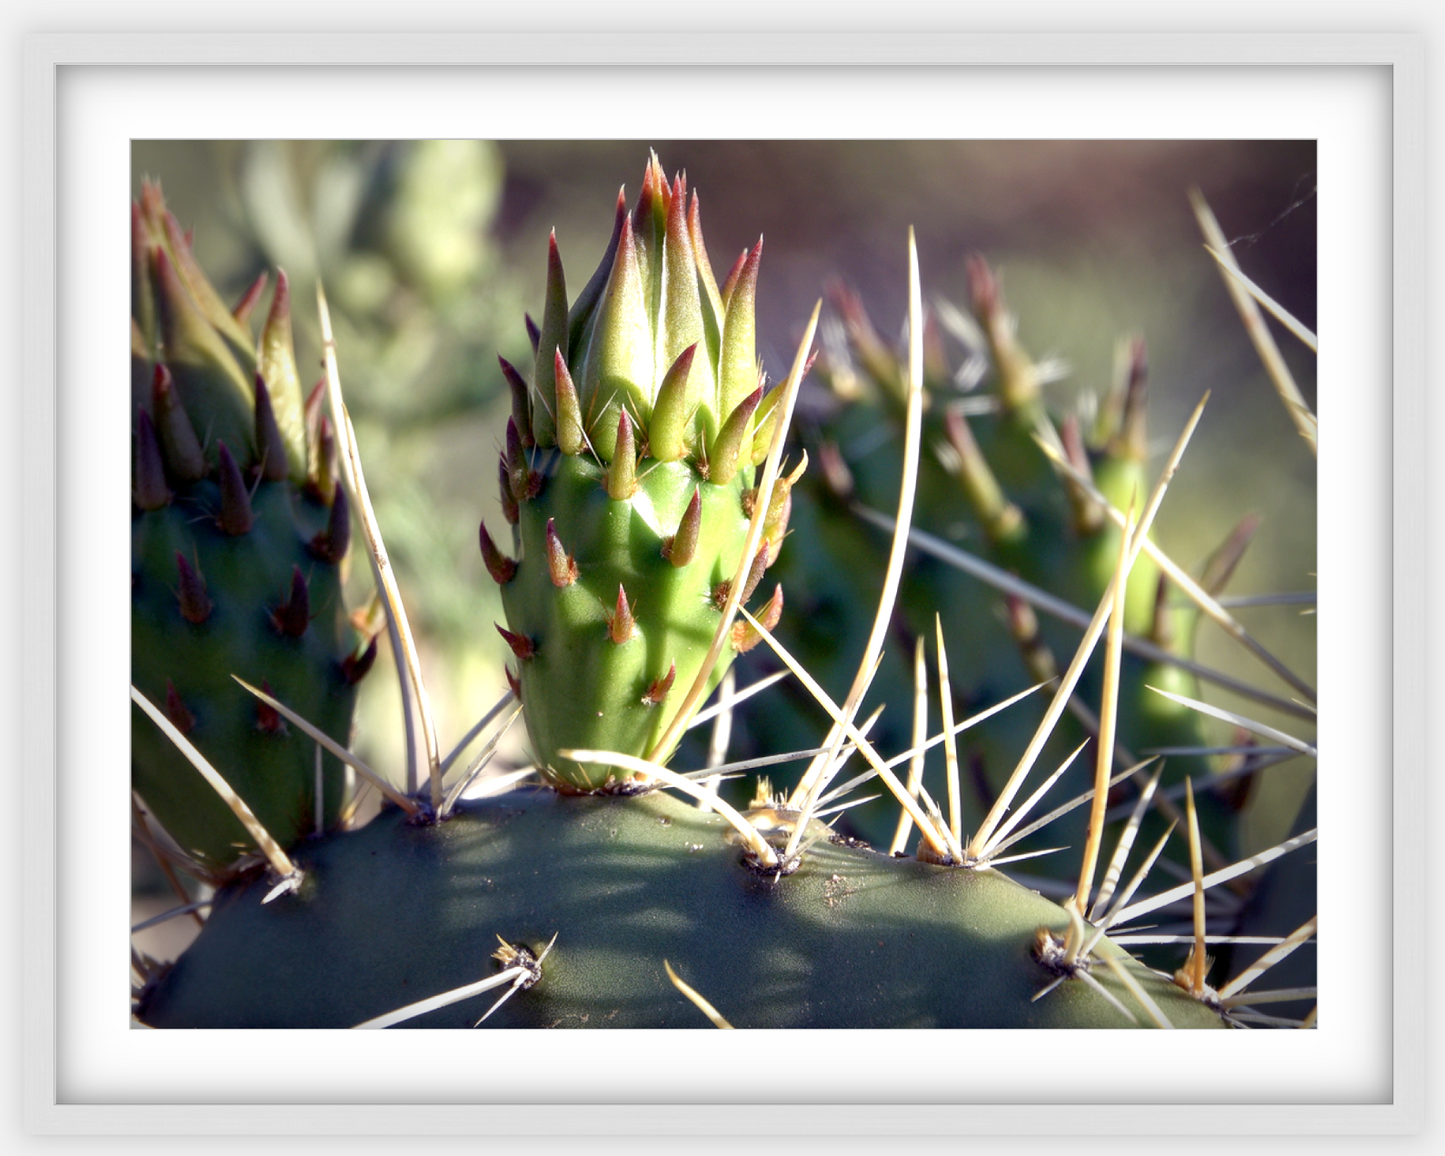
(186, 668)
(396, 913)
(239, 529)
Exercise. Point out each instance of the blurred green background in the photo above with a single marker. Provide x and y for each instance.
(431, 252)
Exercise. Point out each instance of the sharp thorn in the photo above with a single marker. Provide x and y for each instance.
(560, 565)
(682, 546)
(498, 565)
(293, 616)
(196, 607)
(522, 646)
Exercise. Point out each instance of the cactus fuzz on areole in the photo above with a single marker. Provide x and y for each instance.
(629, 476)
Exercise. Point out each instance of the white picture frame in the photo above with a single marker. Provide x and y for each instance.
(54, 63)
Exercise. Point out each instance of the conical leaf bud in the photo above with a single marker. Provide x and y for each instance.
(179, 446)
(583, 313)
(622, 472)
(1018, 382)
(202, 292)
(331, 544)
(1088, 515)
(704, 266)
(313, 415)
(276, 362)
(738, 370)
(755, 573)
(551, 337)
(621, 625)
(195, 605)
(151, 491)
(522, 647)
(1001, 518)
(673, 411)
(745, 635)
(142, 293)
(499, 566)
(236, 517)
(731, 280)
(560, 564)
(328, 463)
(726, 455)
(510, 510)
(243, 308)
(521, 401)
(293, 616)
(682, 546)
(1131, 442)
(272, 460)
(569, 408)
(217, 393)
(658, 688)
(680, 318)
(354, 666)
(525, 482)
(618, 364)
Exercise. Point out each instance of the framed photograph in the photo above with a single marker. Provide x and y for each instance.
(1068, 163)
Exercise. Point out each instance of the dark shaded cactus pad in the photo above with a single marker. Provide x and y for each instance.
(397, 913)
(238, 531)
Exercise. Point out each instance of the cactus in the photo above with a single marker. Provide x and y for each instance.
(238, 534)
(628, 478)
(616, 904)
(991, 486)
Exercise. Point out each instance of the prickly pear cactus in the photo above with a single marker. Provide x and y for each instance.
(852, 939)
(987, 487)
(628, 479)
(238, 533)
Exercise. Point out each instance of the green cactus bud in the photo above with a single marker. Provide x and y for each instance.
(653, 395)
(237, 541)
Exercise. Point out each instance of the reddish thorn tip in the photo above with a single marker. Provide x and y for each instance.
(522, 646)
(659, 687)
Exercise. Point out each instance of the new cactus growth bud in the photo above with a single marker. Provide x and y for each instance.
(241, 528)
(649, 387)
